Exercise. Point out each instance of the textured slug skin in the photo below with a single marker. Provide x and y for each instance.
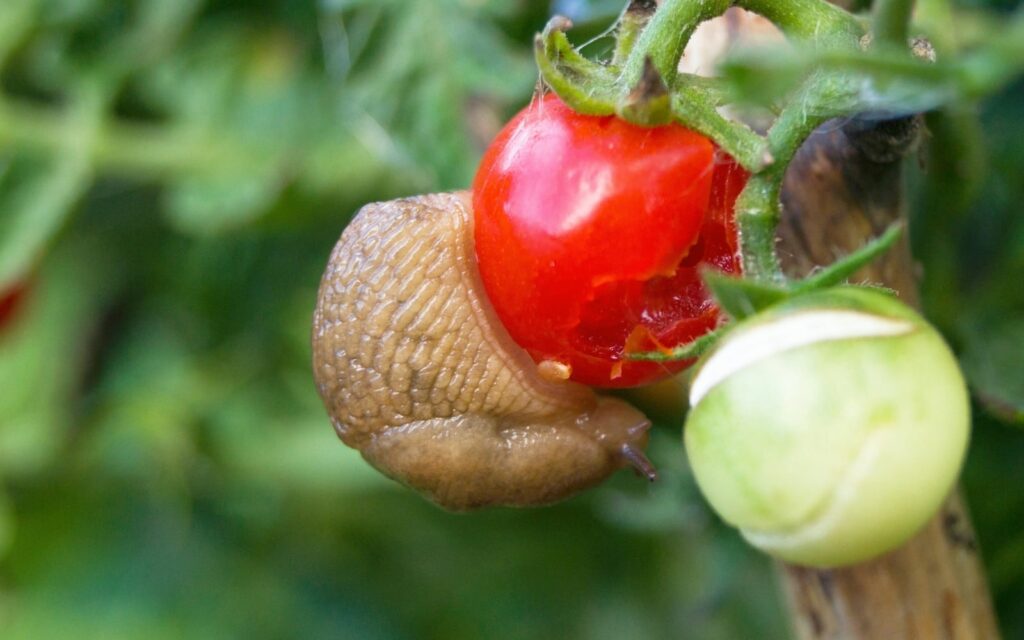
(418, 374)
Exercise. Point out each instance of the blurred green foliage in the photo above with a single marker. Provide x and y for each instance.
(173, 174)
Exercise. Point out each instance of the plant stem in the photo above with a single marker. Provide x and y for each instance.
(935, 18)
(155, 153)
(757, 215)
(693, 349)
(986, 70)
(890, 21)
(666, 36)
(695, 110)
(634, 19)
(131, 149)
(810, 20)
(758, 208)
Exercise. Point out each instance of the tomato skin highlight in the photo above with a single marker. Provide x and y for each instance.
(589, 234)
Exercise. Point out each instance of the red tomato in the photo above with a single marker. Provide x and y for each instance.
(10, 301)
(589, 233)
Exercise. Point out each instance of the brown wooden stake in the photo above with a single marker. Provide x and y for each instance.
(844, 187)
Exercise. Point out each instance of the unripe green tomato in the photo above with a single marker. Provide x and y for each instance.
(830, 428)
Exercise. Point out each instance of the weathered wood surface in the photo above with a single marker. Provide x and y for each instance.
(844, 187)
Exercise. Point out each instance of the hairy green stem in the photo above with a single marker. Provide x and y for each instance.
(666, 36)
(975, 75)
(890, 21)
(935, 19)
(714, 89)
(631, 24)
(757, 215)
(758, 208)
(696, 110)
(810, 20)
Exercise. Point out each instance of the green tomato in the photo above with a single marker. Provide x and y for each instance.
(829, 429)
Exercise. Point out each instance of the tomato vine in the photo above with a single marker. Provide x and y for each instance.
(845, 67)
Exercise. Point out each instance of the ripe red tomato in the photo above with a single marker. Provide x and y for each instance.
(589, 233)
(10, 301)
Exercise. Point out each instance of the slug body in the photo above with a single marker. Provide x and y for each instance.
(418, 374)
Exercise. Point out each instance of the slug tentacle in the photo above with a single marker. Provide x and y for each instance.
(418, 374)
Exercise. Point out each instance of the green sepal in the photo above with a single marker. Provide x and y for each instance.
(586, 86)
(648, 104)
(740, 297)
(693, 349)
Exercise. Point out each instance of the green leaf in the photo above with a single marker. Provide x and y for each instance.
(741, 298)
(16, 17)
(883, 79)
(37, 193)
(693, 349)
(36, 198)
(41, 358)
(992, 363)
(438, 53)
(208, 206)
(7, 524)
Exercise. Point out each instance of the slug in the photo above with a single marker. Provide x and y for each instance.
(418, 374)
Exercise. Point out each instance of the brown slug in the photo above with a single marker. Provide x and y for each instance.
(418, 374)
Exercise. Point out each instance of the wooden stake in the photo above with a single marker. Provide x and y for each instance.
(844, 187)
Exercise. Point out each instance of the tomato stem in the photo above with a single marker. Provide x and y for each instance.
(666, 36)
(808, 20)
(890, 21)
(758, 208)
(757, 216)
(694, 109)
(632, 22)
(936, 21)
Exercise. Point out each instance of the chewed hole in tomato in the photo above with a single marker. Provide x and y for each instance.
(636, 316)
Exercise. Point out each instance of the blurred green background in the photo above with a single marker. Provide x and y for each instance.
(173, 174)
